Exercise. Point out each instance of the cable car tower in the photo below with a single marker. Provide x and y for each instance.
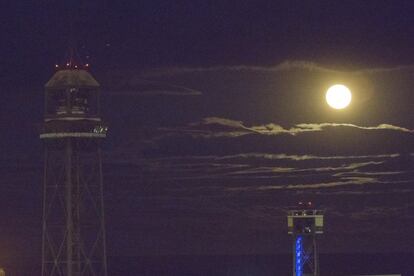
(73, 212)
(304, 224)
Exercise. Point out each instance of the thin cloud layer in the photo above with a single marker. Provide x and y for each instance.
(284, 66)
(127, 85)
(213, 127)
(226, 172)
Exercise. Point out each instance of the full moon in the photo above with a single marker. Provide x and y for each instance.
(338, 96)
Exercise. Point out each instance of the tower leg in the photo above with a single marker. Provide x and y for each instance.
(102, 215)
(69, 209)
(316, 256)
(44, 216)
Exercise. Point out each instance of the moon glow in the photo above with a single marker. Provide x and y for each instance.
(338, 96)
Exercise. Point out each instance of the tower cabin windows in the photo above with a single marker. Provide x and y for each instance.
(72, 102)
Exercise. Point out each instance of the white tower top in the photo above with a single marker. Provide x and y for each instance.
(72, 78)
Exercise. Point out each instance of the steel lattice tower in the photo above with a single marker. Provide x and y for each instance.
(304, 223)
(73, 211)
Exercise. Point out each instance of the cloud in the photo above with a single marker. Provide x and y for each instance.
(304, 157)
(346, 181)
(351, 192)
(272, 129)
(321, 126)
(222, 121)
(213, 127)
(243, 158)
(288, 65)
(344, 167)
(268, 166)
(132, 86)
(379, 173)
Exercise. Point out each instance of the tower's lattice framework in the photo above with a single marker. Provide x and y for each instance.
(304, 224)
(73, 211)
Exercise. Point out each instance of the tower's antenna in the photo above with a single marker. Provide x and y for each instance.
(73, 56)
(73, 59)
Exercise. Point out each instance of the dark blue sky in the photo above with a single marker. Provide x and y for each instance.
(218, 120)
(343, 34)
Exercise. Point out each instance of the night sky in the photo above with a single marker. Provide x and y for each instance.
(218, 121)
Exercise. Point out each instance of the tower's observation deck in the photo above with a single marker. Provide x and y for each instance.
(305, 221)
(72, 106)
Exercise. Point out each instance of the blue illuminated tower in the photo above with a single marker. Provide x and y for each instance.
(304, 224)
(73, 211)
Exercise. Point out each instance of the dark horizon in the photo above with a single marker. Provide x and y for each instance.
(225, 265)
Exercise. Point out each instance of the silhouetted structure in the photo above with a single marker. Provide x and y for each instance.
(73, 213)
(304, 223)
